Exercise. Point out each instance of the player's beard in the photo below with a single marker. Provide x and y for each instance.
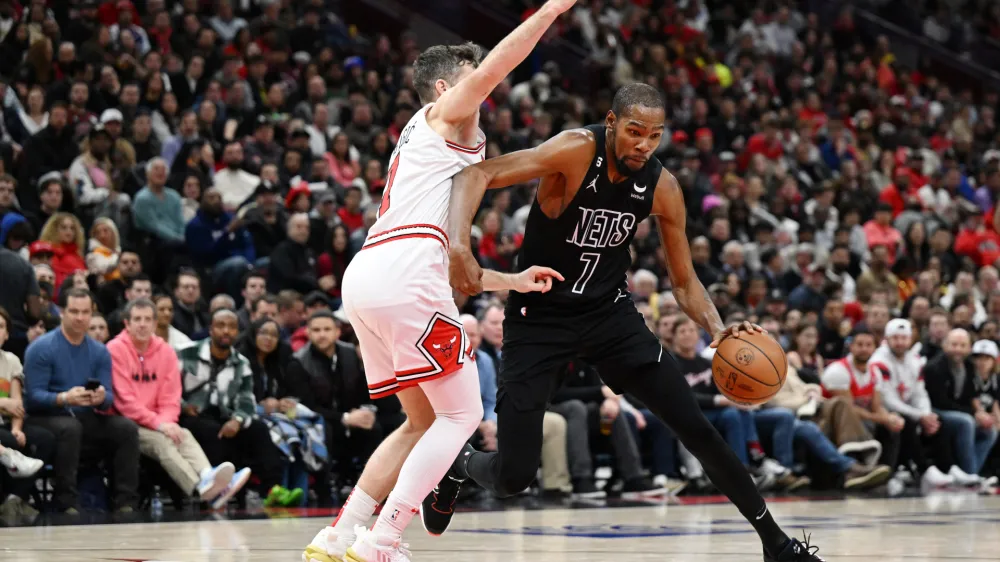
(620, 163)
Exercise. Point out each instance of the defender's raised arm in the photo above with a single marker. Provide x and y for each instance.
(463, 100)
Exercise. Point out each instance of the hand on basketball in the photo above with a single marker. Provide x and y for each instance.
(734, 332)
(535, 279)
(464, 272)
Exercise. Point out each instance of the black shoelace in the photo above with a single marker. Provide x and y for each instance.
(810, 550)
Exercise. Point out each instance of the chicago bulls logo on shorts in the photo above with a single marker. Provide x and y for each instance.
(443, 341)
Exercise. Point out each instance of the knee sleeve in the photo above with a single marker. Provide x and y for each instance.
(456, 399)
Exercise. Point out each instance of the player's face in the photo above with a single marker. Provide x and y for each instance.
(635, 134)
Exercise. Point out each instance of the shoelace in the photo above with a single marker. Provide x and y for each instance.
(811, 550)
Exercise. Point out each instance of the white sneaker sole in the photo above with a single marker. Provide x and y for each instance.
(222, 478)
(231, 491)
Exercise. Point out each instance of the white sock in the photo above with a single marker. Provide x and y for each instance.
(357, 510)
(395, 516)
(206, 473)
(459, 409)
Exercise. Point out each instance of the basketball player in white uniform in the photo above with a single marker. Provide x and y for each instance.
(400, 303)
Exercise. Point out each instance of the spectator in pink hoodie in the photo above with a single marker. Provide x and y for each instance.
(147, 383)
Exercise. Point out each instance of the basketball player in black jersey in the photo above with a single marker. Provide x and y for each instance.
(597, 184)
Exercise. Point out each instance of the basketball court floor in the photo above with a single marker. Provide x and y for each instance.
(940, 527)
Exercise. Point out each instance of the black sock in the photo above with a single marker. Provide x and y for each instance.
(770, 533)
(666, 392)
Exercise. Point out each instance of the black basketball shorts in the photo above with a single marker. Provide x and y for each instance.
(539, 342)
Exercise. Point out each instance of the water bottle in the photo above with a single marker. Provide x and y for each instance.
(606, 423)
(156, 504)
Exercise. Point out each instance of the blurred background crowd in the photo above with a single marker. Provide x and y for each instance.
(163, 163)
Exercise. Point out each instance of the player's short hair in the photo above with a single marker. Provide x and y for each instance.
(442, 62)
(634, 94)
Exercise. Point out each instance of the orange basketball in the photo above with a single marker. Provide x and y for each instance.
(749, 369)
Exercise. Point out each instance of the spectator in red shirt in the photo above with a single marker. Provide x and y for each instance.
(64, 232)
(976, 241)
(333, 261)
(495, 247)
(350, 214)
(765, 142)
(880, 232)
(898, 194)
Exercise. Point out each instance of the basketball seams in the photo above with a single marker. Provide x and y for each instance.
(758, 381)
(764, 353)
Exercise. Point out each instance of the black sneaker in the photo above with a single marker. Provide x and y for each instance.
(438, 507)
(639, 488)
(795, 551)
(584, 489)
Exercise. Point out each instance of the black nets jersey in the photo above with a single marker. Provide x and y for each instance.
(589, 242)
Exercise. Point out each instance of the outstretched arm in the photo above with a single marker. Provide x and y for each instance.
(462, 101)
(692, 298)
(555, 155)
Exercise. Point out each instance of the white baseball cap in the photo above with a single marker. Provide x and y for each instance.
(111, 115)
(986, 347)
(898, 327)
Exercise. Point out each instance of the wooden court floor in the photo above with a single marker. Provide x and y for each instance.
(946, 527)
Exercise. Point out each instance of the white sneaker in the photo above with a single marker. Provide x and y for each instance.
(771, 466)
(867, 452)
(934, 478)
(963, 478)
(904, 475)
(370, 547)
(215, 480)
(764, 482)
(673, 487)
(18, 465)
(235, 485)
(330, 545)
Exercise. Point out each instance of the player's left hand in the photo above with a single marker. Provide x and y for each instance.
(536, 279)
(734, 332)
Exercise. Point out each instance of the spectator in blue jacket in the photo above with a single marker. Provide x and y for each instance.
(217, 240)
(57, 369)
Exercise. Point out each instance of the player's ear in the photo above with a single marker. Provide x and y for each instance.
(441, 86)
(609, 120)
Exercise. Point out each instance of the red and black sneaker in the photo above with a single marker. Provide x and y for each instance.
(438, 507)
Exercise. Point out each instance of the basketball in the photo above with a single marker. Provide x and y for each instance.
(749, 369)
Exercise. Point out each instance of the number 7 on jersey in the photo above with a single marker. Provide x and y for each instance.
(589, 260)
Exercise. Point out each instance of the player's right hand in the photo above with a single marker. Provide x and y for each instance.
(560, 6)
(536, 279)
(464, 272)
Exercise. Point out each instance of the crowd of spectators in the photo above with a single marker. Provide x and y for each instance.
(183, 184)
